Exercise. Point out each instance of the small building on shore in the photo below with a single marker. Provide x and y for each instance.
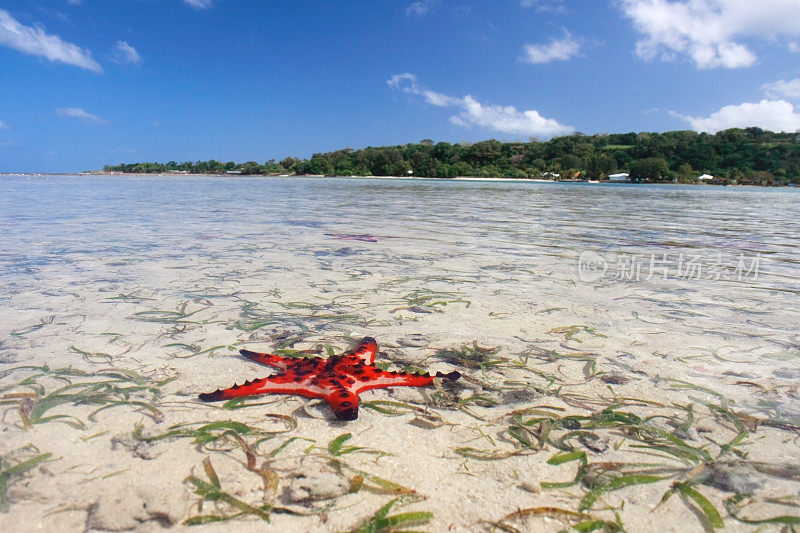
(708, 179)
(621, 177)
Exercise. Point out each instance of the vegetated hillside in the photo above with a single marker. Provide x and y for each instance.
(742, 156)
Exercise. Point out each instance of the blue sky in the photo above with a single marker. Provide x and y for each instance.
(85, 83)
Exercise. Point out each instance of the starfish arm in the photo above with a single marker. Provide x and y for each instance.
(277, 384)
(344, 404)
(379, 379)
(365, 350)
(268, 359)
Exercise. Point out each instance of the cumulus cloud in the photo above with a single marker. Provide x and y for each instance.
(4, 126)
(125, 53)
(709, 32)
(774, 115)
(80, 114)
(783, 89)
(37, 42)
(199, 4)
(420, 8)
(555, 50)
(506, 119)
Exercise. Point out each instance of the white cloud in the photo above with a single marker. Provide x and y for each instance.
(709, 31)
(506, 119)
(397, 82)
(420, 8)
(783, 89)
(407, 83)
(4, 126)
(36, 41)
(125, 53)
(774, 115)
(546, 6)
(555, 50)
(80, 114)
(199, 4)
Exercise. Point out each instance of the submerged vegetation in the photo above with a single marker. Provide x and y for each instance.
(14, 466)
(572, 436)
(579, 442)
(742, 156)
(607, 444)
(36, 398)
(231, 437)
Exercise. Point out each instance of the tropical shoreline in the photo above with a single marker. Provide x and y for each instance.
(389, 178)
(736, 156)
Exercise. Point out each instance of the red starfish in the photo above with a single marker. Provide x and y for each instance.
(338, 379)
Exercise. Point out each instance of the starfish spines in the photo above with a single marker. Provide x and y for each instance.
(215, 396)
(268, 359)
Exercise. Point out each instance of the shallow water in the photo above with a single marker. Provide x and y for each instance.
(697, 286)
(724, 260)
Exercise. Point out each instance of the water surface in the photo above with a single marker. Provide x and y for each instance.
(667, 288)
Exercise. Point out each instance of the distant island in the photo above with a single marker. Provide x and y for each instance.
(749, 156)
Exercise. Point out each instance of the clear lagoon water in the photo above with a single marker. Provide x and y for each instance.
(723, 260)
(667, 289)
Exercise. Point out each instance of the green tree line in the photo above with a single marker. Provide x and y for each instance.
(742, 156)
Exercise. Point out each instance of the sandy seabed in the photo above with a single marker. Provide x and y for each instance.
(644, 405)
